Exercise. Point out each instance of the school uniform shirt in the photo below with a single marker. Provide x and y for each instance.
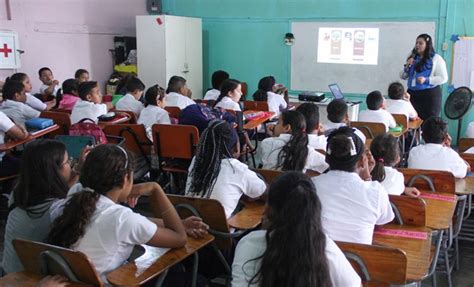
(332, 126)
(437, 157)
(351, 207)
(5, 125)
(153, 115)
(378, 116)
(43, 88)
(254, 245)
(329, 128)
(18, 112)
(271, 147)
(276, 102)
(35, 103)
(317, 141)
(401, 107)
(234, 179)
(129, 103)
(470, 150)
(212, 95)
(228, 104)
(84, 109)
(177, 100)
(394, 182)
(68, 101)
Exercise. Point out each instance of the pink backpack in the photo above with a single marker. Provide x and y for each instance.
(89, 128)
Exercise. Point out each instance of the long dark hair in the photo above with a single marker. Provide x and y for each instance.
(427, 55)
(384, 149)
(40, 178)
(293, 154)
(264, 85)
(344, 149)
(19, 77)
(226, 87)
(104, 169)
(212, 148)
(294, 230)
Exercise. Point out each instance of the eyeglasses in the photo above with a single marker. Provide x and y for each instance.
(68, 161)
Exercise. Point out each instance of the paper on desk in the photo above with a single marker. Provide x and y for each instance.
(151, 255)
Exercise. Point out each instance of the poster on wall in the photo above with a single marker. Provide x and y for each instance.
(9, 56)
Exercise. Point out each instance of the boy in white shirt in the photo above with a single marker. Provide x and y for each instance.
(218, 77)
(436, 153)
(310, 112)
(50, 86)
(338, 116)
(376, 112)
(131, 100)
(14, 103)
(399, 101)
(90, 105)
(178, 94)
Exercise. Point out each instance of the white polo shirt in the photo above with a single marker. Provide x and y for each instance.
(5, 125)
(254, 245)
(234, 180)
(178, 100)
(437, 157)
(18, 111)
(35, 103)
(317, 141)
(271, 147)
(212, 95)
(378, 116)
(228, 104)
(44, 87)
(401, 107)
(332, 126)
(351, 207)
(129, 103)
(276, 102)
(84, 109)
(153, 115)
(394, 182)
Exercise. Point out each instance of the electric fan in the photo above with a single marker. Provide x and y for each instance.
(457, 105)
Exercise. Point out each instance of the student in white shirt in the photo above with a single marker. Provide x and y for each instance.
(9, 165)
(90, 105)
(31, 100)
(14, 103)
(50, 86)
(230, 94)
(352, 203)
(310, 112)
(153, 113)
(376, 112)
(81, 75)
(218, 77)
(386, 153)
(293, 249)
(399, 101)
(92, 220)
(131, 100)
(266, 93)
(215, 174)
(338, 116)
(178, 94)
(288, 149)
(436, 153)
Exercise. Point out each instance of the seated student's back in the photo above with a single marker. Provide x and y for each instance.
(177, 93)
(376, 112)
(398, 102)
(351, 206)
(14, 103)
(153, 113)
(265, 93)
(310, 112)
(338, 116)
(218, 77)
(130, 102)
(436, 153)
(90, 105)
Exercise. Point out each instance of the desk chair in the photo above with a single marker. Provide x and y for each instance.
(370, 130)
(255, 106)
(133, 117)
(465, 143)
(174, 112)
(408, 210)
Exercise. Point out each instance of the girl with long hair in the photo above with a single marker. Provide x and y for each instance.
(31, 100)
(292, 250)
(229, 96)
(266, 93)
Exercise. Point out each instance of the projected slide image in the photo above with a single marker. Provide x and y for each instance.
(348, 45)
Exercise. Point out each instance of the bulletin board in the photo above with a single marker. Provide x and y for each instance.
(462, 69)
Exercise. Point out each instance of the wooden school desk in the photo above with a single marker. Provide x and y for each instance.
(253, 124)
(125, 118)
(414, 241)
(11, 144)
(249, 217)
(439, 209)
(465, 186)
(132, 275)
(27, 279)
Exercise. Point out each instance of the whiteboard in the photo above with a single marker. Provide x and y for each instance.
(396, 40)
(463, 63)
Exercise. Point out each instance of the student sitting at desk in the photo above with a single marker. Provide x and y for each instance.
(14, 103)
(399, 101)
(214, 173)
(50, 86)
(81, 76)
(9, 165)
(338, 116)
(178, 94)
(376, 112)
(293, 250)
(31, 100)
(153, 113)
(311, 113)
(288, 149)
(218, 77)
(70, 94)
(436, 153)
(266, 93)
(352, 203)
(90, 105)
(131, 100)
(229, 96)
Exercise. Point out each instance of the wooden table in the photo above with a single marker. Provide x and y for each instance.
(131, 275)
(415, 124)
(27, 279)
(465, 186)
(439, 212)
(11, 144)
(249, 217)
(416, 250)
(123, 119)
(253, 124)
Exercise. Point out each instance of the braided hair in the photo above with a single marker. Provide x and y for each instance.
(293, 154)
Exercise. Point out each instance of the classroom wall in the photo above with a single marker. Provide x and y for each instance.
(69, 34)
(245, 37)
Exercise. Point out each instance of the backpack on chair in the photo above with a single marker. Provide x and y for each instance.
(87, 127)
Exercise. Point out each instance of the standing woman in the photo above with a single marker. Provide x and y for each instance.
(425, 72)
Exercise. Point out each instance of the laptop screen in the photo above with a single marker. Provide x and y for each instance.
(336, 91)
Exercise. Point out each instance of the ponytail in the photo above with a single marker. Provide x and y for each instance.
(384, 149)
(378, 173)
(264, 85)
(226, 87)
(293, 154)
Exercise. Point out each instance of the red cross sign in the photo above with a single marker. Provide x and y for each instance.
(9, 44)
(5, 50)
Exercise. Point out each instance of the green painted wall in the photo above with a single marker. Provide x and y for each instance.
(245, 37)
